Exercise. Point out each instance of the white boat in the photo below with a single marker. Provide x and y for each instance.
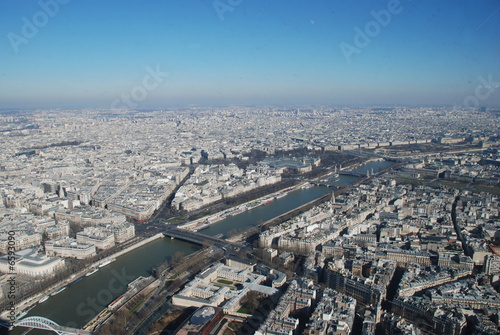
(22, 315)
(216, 218)
(205, 226)
(266, 201)
(43, 299)
(58, 291)
(92, 272)
(107, 262)
(116, 302)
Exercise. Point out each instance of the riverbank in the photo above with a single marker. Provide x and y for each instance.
(281, 218)
(205, 222)
(157, 291)
(361, 164)
(226, 225)
(306, 206)
(31, 302)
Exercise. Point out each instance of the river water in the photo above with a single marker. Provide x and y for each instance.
(294, 199)
(81, 301)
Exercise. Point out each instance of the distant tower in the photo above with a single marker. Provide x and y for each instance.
(332, 201)
(368, 173)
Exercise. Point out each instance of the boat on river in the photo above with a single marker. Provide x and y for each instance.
(43, 299)
(58, 291)
(109, 261)
(75, 281)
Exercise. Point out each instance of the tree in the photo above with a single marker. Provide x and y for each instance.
(177, 257)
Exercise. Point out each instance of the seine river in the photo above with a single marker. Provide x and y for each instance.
(279, 206)
(81, 301)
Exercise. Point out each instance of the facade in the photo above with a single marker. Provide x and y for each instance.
(408, 256)
(100, 238)
(23, 240)
(492, 265)
(68, 247)
(240, 264)
(32, 264)
(122, 231)
(430, 319)
(364, 293)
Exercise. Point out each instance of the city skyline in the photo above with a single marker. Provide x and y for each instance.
(70, 54)
(365, 208)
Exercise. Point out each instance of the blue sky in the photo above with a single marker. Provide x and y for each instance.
(90, 53)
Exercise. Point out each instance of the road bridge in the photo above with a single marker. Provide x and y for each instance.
(352, 174)
(324, 185)
(194, 237)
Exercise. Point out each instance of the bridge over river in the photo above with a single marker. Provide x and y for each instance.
(352, 174)
(38, 322)
(194, 237)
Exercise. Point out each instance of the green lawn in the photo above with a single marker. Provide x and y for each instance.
(452, 184)
(223, 281)
(167, 284)
(244, 310)
(176, 219)
(136, 307)
(409, 180)
(487, 189)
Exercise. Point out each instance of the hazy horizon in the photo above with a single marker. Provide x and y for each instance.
(74, 54)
